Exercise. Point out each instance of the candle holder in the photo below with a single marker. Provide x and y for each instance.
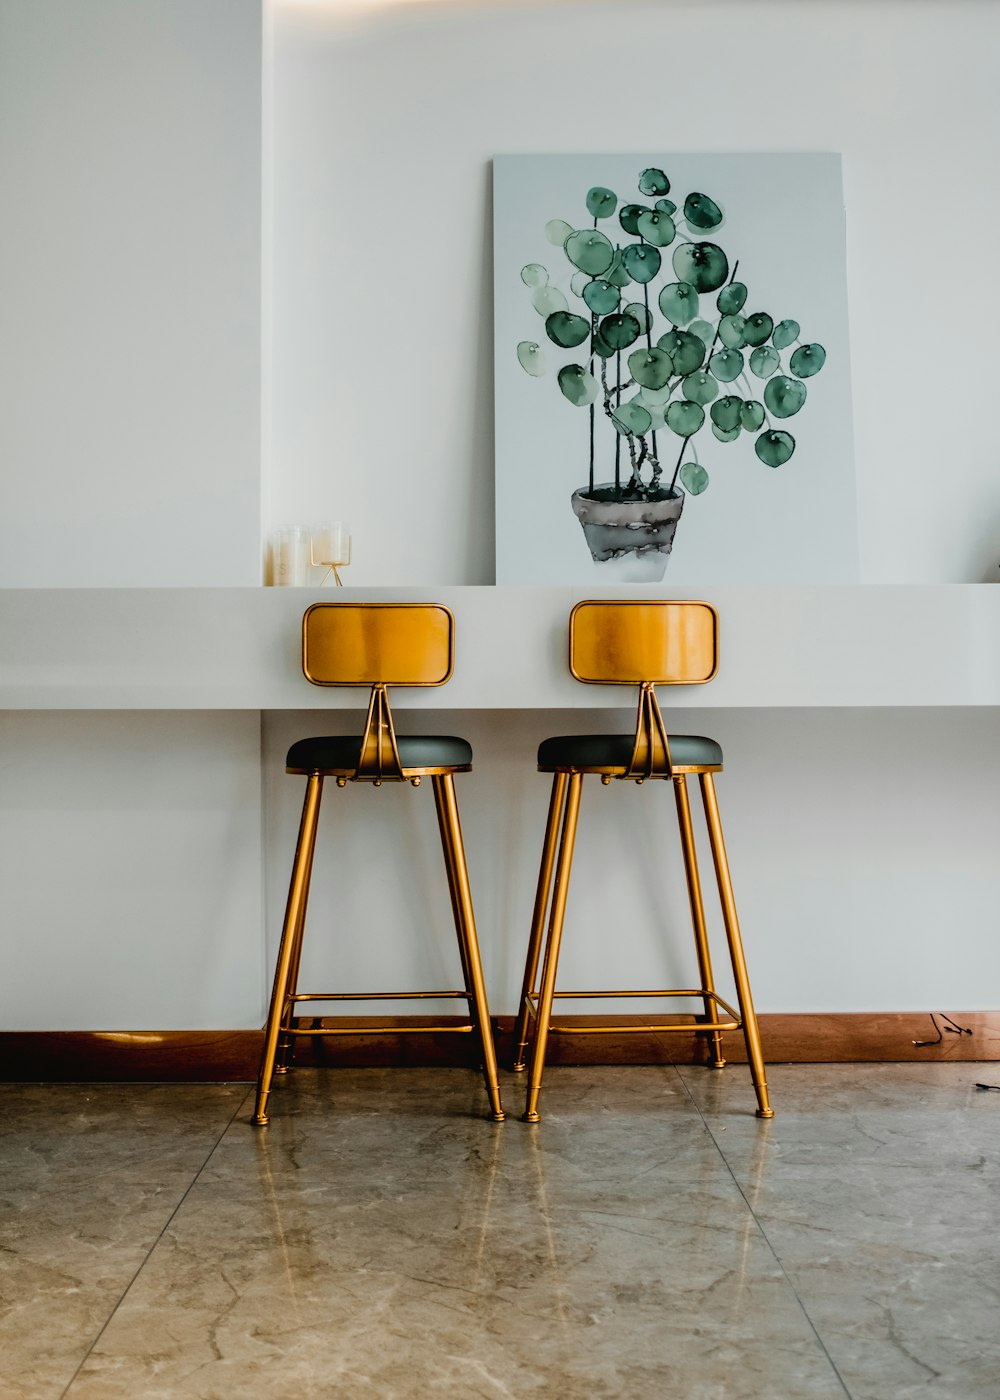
(330, 549)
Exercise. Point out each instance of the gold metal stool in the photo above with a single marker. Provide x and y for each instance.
(377, 645)
(644, 644)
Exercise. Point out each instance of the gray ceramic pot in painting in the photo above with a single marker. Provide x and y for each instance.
(630, 540)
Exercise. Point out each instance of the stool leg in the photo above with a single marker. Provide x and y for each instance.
(551, 959)
(286, 1040)
(751, 1032)
(291, 934)
(465, 927)
(697, 911)
(538, 917)
(451, 869)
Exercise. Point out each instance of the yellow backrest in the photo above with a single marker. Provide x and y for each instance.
(378, 644)
(627, 642)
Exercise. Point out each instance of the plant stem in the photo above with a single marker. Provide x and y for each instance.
(732, 278)
(680, 458)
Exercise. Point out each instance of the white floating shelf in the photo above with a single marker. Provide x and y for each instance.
(238, 648)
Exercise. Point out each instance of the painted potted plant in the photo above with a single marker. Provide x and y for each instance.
(657, 346)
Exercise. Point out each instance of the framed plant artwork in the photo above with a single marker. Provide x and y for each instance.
(672, 372)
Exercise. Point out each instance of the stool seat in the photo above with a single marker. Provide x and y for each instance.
(340, 753)
(602, 751)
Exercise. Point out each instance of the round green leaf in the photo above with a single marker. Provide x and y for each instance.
(628, 217)
(577, 282)
(774, 448)
(693, 477)
(654, 397)
(758, 328)
(784, 396)
(700, 387)
(557, 231)
(532, 358)
(545, 300)
(731, 330)
(601, 297)
(653, 181)
(579, 386)
(666, 206)
(641, 263)
(534, 275)
(656, 413)
(601, 203)
(764, 361)
(732, 298)
(679, 302)
(752, 415)
(631, 417)
(808, 360)
(703, 331)
(566, 329)
(686, 350)
(656, 228)
(702, 212)
(784, 333)
(589, 250)
(651, 368)
(726, 365)
(619, 331)
(638, 310)
(726, 412)
(685, 418)
(704, 265)
(725, 434)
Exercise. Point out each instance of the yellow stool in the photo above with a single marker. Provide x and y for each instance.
(376, 645)
(644, 644)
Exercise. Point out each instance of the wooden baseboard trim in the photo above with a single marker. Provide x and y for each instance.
(213, 1056)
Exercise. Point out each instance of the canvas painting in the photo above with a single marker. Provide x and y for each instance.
(672, 372)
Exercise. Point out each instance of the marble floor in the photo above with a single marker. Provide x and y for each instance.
(381, 1239)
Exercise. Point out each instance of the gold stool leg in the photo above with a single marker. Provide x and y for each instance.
(291, 933)
(286, 1040)
(697, 911)
(551, 959)
(451, 869)
(465, 927)
(751, 1032)
(538, 917)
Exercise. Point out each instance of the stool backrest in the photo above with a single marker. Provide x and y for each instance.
(625, 642)
(378, 644)
(644, 643)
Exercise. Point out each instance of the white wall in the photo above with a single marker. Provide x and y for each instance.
(386, 117)
(130, 271)
(130, 870)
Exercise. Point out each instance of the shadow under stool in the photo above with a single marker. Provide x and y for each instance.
(376, 645)
(644, 644)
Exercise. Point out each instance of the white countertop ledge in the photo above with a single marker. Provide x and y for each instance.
(238, 648)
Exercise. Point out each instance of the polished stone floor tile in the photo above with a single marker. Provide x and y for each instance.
(89, 1177)
(382, 1239)
(878, 1187)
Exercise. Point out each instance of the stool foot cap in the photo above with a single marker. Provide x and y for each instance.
(765, 1113)
(260, 1120)
(498, 1116)
(717, 1064)
(519, 1066)
(533, 1117)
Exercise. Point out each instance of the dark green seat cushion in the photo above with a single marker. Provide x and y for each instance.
(615, 751)
(338, 751)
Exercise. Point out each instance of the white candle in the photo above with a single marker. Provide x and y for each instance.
(290, 557)
(331, 544)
